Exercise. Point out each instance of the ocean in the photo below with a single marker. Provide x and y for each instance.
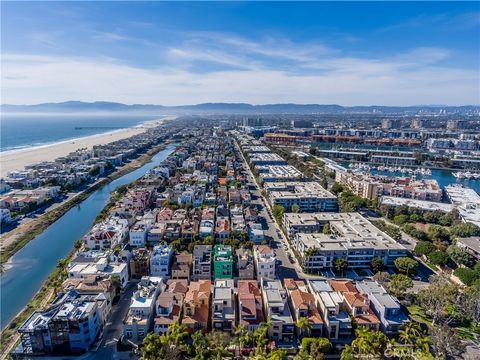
(26, 130)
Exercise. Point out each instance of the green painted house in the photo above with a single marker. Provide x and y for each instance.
(222, 262)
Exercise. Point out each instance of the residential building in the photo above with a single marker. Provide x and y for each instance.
(140, 263)
(70, 325)
(308, 196)
(88, 264)
(169, 305)
(223, 307)
(139, 319)
(265, 262)
(197, 306)
(245, 265)
(181, 266)
(160, 260)
(337, 322)
(351, 236)
(107, 234)
(222, 229)
(277, 310)
(470, 245)
(385, 306)
(302, 305)
(357, 304)
(138, 234)
(202, 262)
(222, 262)
(250, 304)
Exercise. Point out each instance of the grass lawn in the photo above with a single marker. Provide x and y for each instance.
(417, 314)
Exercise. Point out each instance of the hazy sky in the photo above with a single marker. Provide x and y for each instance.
(348, 53)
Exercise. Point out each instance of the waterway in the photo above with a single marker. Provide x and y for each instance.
(443, 177)
(31, 266)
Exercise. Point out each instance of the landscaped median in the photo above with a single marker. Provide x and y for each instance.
(30, 230)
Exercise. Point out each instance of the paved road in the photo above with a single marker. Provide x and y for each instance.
(113, 329)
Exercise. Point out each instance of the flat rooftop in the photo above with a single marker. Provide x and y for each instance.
(297, 189)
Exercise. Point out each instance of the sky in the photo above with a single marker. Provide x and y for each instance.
(173, 53)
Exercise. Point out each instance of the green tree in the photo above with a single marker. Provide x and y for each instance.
(278, 211)
(399, 284)
(460, 256)
(439, 258)
(116, 283)
(295, 208)
(377, 264)
(424, 248)
(153, 347)
(367, 344)
(400, 219)
(340, 265)
(313, 348)
(438, 299)
(327, 230)
(406, 265)
(466, 275)
(438, 233)
(303, 325)
(336, 188)
(465, 230)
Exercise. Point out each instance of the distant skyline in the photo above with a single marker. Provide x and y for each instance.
(346, 53)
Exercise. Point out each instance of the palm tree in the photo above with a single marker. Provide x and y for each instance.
(410, 333)
(176, 333)
(303, 325)
(340, 264)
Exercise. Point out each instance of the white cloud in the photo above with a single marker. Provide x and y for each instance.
(399, 80)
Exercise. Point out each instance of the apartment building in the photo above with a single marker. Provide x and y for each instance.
(138, 234)
(223, 305)
(222, 262)
(279, 173)
(277, 310)
(202, 262)
(266, 159)
(308, 196)
(351, 236)
(139, 319)
(69, 326)
(250, 304)
(160, 260)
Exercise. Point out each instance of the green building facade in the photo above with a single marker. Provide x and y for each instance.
(222, 262)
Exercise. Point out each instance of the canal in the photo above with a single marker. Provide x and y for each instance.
(31, 266)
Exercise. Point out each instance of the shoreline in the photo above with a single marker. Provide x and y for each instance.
(18, 159)
(37, 226)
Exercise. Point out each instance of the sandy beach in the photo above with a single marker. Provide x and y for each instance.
(18, 159)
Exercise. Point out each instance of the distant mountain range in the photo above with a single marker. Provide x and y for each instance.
(230, 108)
